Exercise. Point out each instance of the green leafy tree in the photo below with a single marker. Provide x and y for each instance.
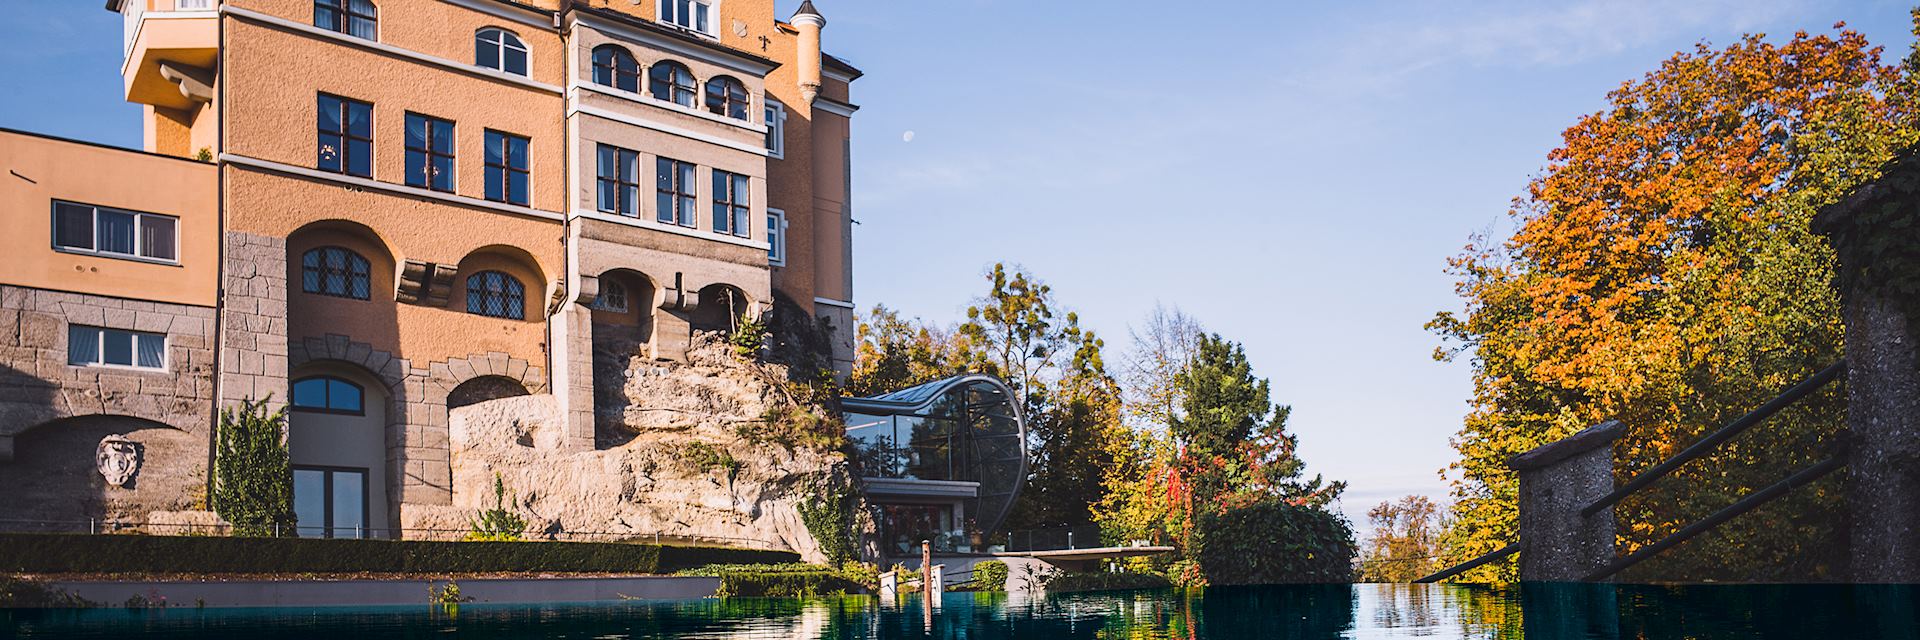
(1058, 370)
(1232, 438)
(1663, 273)
(894, 353)
(1405, 542)
(1137, 505)
(1248, 516)
(253, 477)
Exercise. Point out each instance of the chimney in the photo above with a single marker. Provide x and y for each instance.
(809, 22)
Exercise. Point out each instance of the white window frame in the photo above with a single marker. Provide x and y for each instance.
(139, 239)
(500, 52)
(100, 348)
(776, 237)
(776, 128)
(193, 5)
(713, 16)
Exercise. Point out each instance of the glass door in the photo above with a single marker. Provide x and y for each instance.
(330, 503)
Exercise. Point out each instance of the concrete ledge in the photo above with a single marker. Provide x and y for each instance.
(1588, 439)
(361, 593)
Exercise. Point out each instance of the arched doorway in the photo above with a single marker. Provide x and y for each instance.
(623, 321)
(337, 440)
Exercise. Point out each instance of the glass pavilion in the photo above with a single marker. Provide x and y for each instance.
(942, 461)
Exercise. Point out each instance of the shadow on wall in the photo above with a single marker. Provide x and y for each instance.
(482, 389)
(57, 480)
(340, 280)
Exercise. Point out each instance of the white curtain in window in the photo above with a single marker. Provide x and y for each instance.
(153, 351)
(83, 345)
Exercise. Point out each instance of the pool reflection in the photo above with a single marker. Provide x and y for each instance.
(1551, 611)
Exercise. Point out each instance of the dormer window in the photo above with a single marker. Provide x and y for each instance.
(696, 15)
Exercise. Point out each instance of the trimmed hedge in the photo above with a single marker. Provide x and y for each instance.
(1104, 581)
(673, 559)
(79, 553)
(1273, 542)
(785, 580)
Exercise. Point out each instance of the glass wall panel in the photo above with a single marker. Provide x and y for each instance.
(349, 504)
(310, 502)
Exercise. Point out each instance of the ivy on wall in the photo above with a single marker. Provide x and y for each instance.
(829, 517)
(253, 477)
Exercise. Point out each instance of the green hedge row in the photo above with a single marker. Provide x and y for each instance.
(1104, 581)
(787, 580)
(71, 553)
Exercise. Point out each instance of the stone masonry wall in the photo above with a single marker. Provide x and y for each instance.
(253, 341)
(53, 414)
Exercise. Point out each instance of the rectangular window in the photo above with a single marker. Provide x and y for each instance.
(776, 237)
(688, 14)
(357, 18)
(192, 5)
(730, 206)
(84, 228)
(673, 186)
(619, 181)
(346, 136)
(429, 152)
(506, 168)
(95, 346)
(776, 129)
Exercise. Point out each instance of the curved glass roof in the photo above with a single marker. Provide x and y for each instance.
(966, 429)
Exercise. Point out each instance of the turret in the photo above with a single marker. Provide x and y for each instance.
(809, 22)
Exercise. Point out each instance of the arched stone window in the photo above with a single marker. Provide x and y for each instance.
(328, 394)
(497, 295)
(614, 67)
(727, 97)
(672, 81)
(337, 272)
(496, 48)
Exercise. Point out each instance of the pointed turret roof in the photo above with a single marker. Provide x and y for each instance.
(806, 9)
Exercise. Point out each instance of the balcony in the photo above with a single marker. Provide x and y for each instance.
(171, 48)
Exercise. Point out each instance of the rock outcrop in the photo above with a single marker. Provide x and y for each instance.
(684, 452)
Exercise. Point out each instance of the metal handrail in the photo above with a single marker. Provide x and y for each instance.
(1713, 440)
(1749, 503)
(1700, 448)
(1469, 565)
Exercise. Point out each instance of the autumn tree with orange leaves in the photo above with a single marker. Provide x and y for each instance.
(1663, 274)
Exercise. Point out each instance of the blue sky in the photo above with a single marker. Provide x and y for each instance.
(1294, 174)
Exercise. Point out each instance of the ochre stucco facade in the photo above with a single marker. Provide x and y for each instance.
(421, 295)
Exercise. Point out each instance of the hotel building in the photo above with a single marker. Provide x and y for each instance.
(375, 211)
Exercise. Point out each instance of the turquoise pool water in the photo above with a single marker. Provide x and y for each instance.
(1358, 611)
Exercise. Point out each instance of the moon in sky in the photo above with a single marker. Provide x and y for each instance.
(907, 137)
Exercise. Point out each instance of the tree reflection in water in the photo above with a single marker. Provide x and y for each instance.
(1301, 612)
